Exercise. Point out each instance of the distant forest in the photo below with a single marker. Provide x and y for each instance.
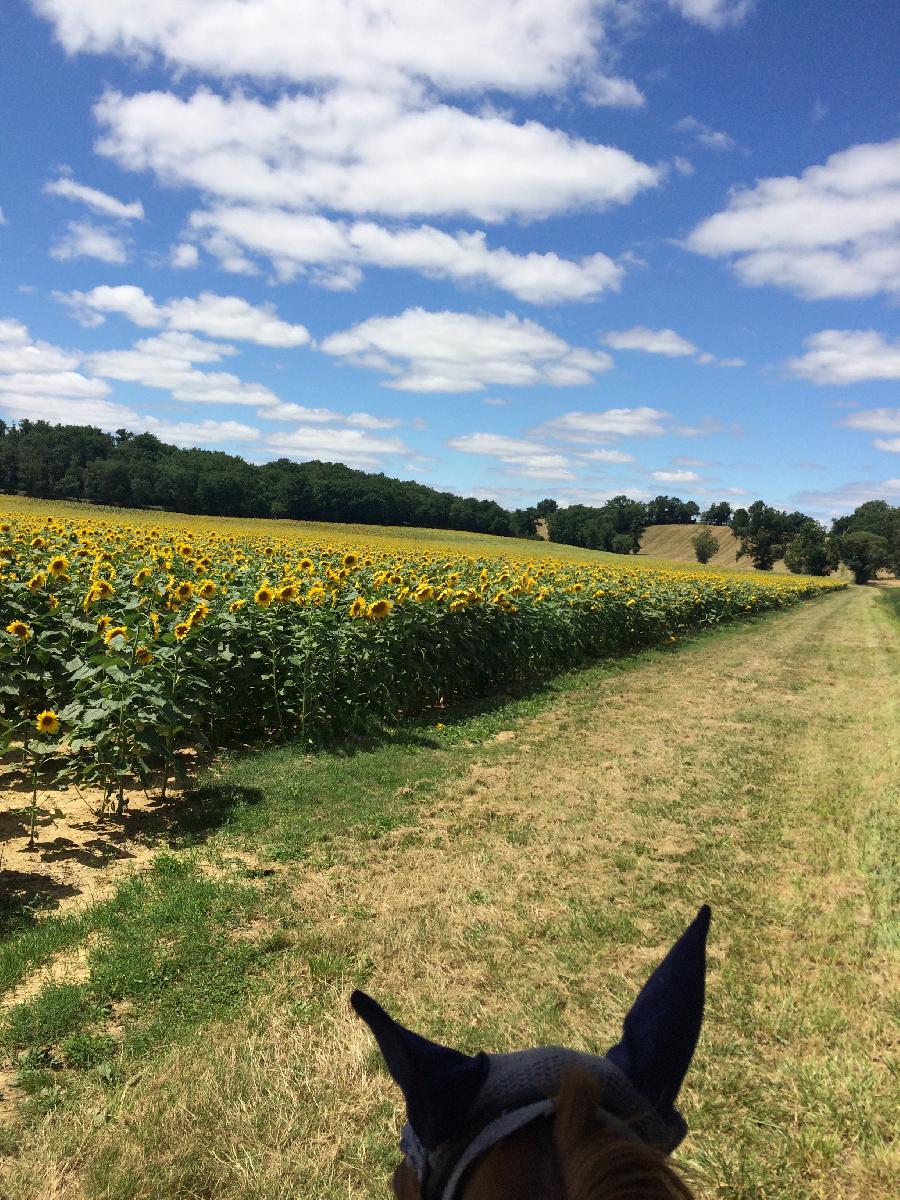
(126, 470)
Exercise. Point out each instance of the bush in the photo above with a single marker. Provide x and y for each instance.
(705, 546)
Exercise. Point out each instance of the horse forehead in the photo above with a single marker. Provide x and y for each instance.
(537, 1070)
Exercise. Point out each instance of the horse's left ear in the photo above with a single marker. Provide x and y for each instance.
(660, 1033)
(438, 1084)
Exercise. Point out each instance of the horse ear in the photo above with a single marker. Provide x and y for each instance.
(660, 1033)
(438, 1084)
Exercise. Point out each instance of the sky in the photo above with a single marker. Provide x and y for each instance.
(507, 248)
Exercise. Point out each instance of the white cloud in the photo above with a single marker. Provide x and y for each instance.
(607, 456)
(875, 420)
(327, 416)
(460, 352)
(610, 91)
(166, 362)
(183, 256)
(653, 341)
(675, 476)
(891, 445)
(97, 201)
(85, 240)
(217, 316)
(197, 433)
(295, 241)
(364, 152)
(3, 219)
(355, 447)
(40, 380)
(512, 45)
(704, 135)
(531, 459)
(832, 231)
(606, 425)
(56, 383)
(843, 356)
(66, 410)
(714, 14)
(848, 496)
(495, 401)
(682, 165)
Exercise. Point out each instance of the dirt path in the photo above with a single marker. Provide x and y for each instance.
(756, 770)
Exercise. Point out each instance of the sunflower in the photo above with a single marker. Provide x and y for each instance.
(183, 591)
(36, 582)
(349, 560)
(200, 613)
(358, 607)
(305, 564)
(142, 576)
(286, 592)
(47, 721)
(142, 656)
(58, 565)
(236, 605)
(113, 631)
(264, 595)
(206, 590)
(182, 629)
(19, 629)
(379, 609)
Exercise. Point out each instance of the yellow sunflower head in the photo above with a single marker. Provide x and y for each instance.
(19, 629)
(47, 721)
(111, 632)
(379, 609)
(182, 629)
(358, 607)
(58, 565)
(264, 595)
(142, 656)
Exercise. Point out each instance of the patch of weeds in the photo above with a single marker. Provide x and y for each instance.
(58, 1010)
(84, 1050)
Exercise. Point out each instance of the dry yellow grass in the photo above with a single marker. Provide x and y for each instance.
(673, 544)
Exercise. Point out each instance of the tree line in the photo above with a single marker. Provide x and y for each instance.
(126, 470)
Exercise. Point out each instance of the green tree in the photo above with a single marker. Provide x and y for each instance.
(705, 545)
(864, 553)
(717, 514)
(807, 552)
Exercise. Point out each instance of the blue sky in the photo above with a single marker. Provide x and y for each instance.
(505, 247)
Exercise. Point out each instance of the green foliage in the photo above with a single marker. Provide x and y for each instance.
(717, 514)
(810, 552)
(880, 518)
(864, 553)
(764, 532)
(81, 463)
(617, 526)
(705, 546)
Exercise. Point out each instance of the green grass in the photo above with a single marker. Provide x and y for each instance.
(498, 893)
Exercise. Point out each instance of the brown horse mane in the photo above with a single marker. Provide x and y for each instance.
(571, 1156)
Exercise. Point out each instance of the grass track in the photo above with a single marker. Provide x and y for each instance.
(502, 890)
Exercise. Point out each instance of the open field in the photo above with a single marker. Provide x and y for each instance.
(499, 879)
(672, 543)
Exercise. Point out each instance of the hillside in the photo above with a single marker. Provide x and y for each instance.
(674, 543)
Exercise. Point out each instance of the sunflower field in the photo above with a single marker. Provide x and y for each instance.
(126, 642)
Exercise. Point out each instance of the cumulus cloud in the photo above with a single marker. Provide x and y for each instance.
(294, 242)
(217, 316)
(877, 420)
(39, 379)
(529, 458)
(183, 256)
(97, 201)
(513, 45)
(83, 239)
(611, 91)
(460, 352)
(653, 341)
(168, 362)
(837, 501)
(675, 476)
(832, 231)
(606, 425)
(395, 153)
(355, 447)
(606, 456)
(714, 14)
(327, 416)
(874, 420)
(705, 135)
(842, 356)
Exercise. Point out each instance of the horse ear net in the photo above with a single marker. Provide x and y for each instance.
(598, 1164)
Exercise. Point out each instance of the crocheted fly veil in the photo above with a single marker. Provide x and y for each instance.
(459, 1105)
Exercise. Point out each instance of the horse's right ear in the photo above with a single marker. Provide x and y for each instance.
(660, 1033)
(439, 1084)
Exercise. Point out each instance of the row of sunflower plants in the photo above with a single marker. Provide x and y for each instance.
(124, 647)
